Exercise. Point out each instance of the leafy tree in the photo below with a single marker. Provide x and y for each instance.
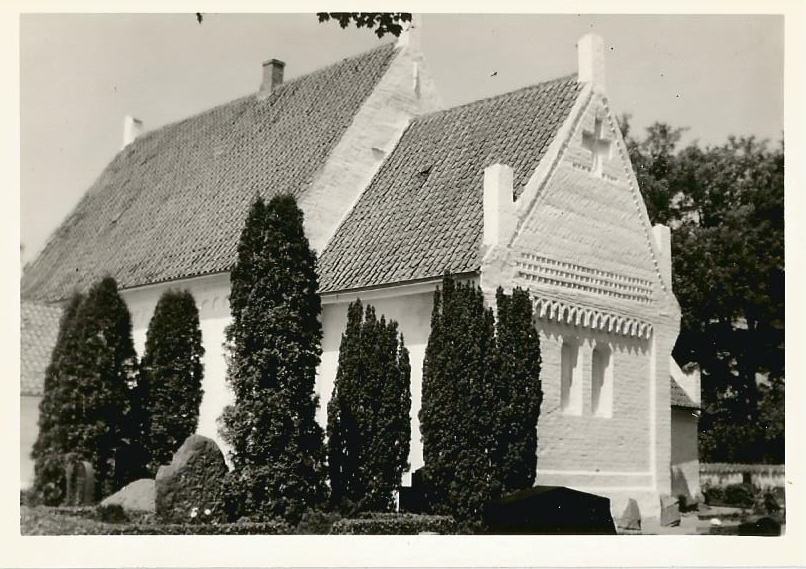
(89, 413)
(381, 23)
(274, 347)
(459, 408)
(51, 443)
(725, 207)
(520, 391)
(368, 414)
(169, 389)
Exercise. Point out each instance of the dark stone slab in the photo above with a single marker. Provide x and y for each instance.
(669, 511)
(631, 518)
(550, 510)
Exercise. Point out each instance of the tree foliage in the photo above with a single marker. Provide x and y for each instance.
(368, 414)
(169, 388)
(88, 385)
(273, 348)
(459, 408)
(381, 23)
(520, 391)
(725, 206)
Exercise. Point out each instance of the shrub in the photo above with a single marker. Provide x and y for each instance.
(713, 495)
(317, 522)
(88, 407)
(50, 483)
(519, 394)
(369, 429)
(740, 495)
(395, 524)
(169, 387)
(458, 414)
(274, 348)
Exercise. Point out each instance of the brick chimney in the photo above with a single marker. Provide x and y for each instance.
(132, 128)
(272, 75)
(590, 55)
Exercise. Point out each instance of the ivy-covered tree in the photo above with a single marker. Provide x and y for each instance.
(95, 371)
(520, 391)
(458, 416)
(169, 387)
(51, 443)
(274, 347)
(368, 414)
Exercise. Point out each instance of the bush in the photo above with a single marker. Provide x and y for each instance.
(316, 522)
(51, 485)
(368, 415)
(395, 524)
(274, 347)
(169, 388)
(274, 527)
(740, 495)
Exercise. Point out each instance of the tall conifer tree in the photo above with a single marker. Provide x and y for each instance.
(94, 373)
(368, 415)
(51, 442)
(169, 389)
(520, 391)
(458, 414)
(274, 347)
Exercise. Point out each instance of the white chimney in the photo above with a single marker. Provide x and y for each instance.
(590, 55)
(412, 31)
(663, 241)
(132, 128)
(499, 205)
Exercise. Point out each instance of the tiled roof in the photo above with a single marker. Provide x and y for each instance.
(422, 213)
(172, 203)
(39, 326)
(680, 398)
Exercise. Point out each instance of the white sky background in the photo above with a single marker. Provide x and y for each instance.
(80, 74)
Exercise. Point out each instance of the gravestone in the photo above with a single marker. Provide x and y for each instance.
(190, 488)
(550, 510)
(669, 511)
(80, 480)
(631, 518)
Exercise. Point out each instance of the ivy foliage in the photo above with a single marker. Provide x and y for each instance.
(169, 388)
(86, 407)
(369, 429)
(273, 346)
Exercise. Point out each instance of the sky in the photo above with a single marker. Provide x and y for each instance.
(80, 74)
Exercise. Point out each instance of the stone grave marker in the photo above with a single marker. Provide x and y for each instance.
(80, 479)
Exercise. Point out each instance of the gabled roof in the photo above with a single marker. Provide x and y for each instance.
(172, 203)
(422, 214)
(39, 326)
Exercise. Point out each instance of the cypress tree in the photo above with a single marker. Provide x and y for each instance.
(519, 393)
(94, 372)
(51, 443)
(169, 389)
(458, 414)
(274, 347)
(368, 415)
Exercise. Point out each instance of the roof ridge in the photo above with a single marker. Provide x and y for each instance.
(493, 97)
(251, 95)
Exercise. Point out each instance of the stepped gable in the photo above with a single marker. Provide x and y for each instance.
(422, 213)
(172, 203)
(39, 327)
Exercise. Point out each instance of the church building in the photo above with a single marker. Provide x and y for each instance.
(532, 188)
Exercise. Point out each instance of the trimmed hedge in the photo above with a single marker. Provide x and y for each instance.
(251, 528)
(395, 524)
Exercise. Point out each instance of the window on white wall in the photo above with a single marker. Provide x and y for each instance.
(602, 382)
(571, 380)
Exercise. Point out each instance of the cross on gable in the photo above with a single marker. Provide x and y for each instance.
(598, 146)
